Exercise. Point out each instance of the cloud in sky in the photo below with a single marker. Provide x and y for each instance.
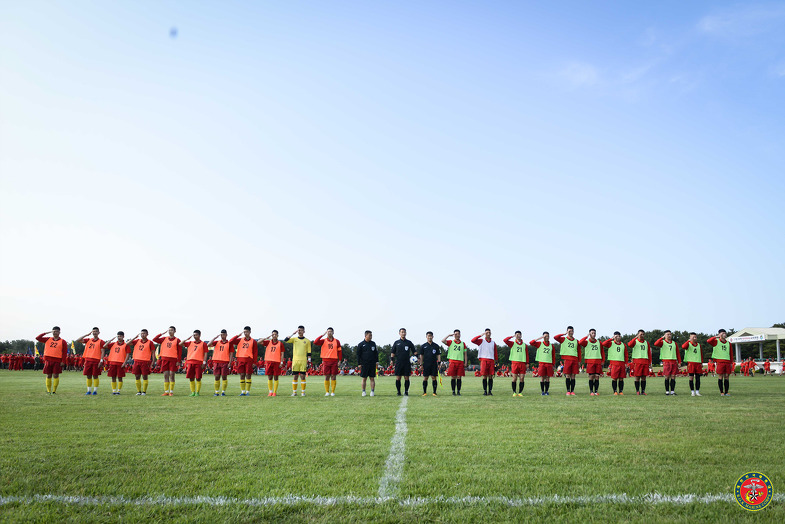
(778, 69)
(743, 21)
(580, 74)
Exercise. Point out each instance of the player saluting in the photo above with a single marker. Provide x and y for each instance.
(721, 355)
(170, 355)
(402, 351)
(456, 354)
(301, 357)
(222, 359)
(430, 356)
(273, 355)
(546, 357)
(368, 357)
(671, 360)
(247, 353)
(93, 354)
(331, 354)
(195, 361)
(519, 357)
(144, 351)
(117, 355)
(570, 353)
(488, 353)
(594, 354)
(55, 353)
(617, 358)
(693, 356)
(641, 360)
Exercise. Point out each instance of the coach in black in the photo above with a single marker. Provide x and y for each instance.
(430, 356)
(402, 351)
(368, 357)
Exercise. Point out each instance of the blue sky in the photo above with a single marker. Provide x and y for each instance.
(371, 165)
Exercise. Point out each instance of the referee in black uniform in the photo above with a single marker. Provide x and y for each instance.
(402, 350)
(368, 357)
(430, 358)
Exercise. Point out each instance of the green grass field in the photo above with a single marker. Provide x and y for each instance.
(501, 450)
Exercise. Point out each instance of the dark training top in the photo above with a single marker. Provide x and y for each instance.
(429, 353)
(367, 354)
(402, 350)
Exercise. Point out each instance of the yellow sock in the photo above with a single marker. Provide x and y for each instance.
(48, 385)
(166, 387)
(198, 386)
(270, 384)
(333, 383)
(303, 386)
(144, 386)
(114, 385)
(217, 386)
(119, 385)
(275, 386)
(55, 383)
(89, 382)
(225, 384)
(242, 386)
(294, 385)
(138, 386)
(248, 384)
(171, 386)
(193, 386)
(95, 382)
(326, 386)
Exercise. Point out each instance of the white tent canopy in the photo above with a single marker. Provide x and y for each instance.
(753, 334)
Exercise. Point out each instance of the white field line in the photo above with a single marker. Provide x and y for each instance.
(393, 469)
(293, 500)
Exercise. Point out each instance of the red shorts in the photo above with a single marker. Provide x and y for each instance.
(640, 368)
(141, 367)
(52, 367)
(245, 366)
(571, 367)
(545, 370)
(116, 370)
(594, 367)
(273, 369)
(694, 367)
(725, 367)
(518, 368)
(168, 364)
(618, 370)
(486, 366)
(91, 367)
(669, 367)
(455, 369)
(220, 369)
(193, 369)
(330, 366)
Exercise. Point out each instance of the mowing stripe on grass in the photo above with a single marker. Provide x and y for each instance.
(293, 500)
(393, 469)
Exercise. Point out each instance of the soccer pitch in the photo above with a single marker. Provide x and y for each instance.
(387, 458)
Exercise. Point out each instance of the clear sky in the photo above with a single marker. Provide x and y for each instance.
(372, 165)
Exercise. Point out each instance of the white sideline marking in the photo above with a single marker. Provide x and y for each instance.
(293, 500)
(393, 469)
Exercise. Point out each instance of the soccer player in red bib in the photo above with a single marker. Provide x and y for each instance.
(722, 356)
(617, 359)
(55, 353)
(671, 360)
(570, 353)
(594, 354)
(546, 358)
(170, 356)
(92, 354)
(273, 355)
(195, 361)
(116, 353)
(488, 353)
(222, 360)
(247, 354)
(331, 354)
(458, 358)
(144, 359)
(641, 361)
(519, 358)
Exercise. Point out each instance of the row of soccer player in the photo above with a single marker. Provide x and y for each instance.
(636, 353)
